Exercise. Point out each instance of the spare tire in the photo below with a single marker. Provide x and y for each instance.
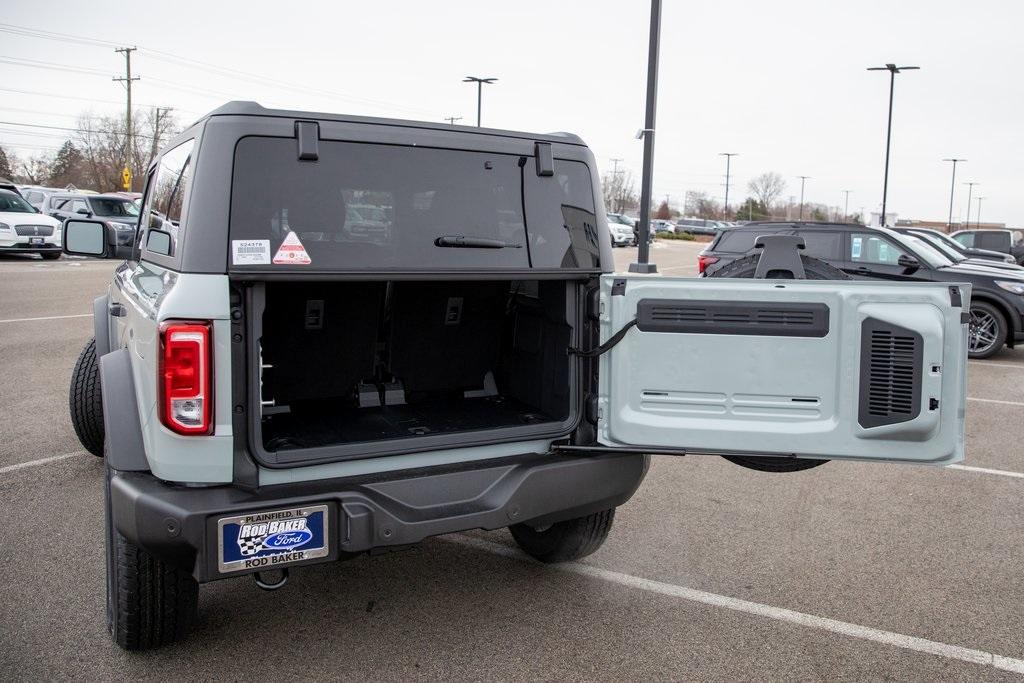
(814, 269)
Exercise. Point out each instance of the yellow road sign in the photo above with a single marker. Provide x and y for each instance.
(126, 178)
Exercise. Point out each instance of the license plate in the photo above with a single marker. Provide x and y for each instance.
(34, 241)
(272, 538)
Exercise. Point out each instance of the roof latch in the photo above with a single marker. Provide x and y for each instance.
(308, 135)
(545, 160)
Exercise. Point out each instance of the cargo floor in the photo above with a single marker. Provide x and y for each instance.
(329, 423)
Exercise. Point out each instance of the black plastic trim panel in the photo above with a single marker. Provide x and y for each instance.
(766, 318)
(890, 374)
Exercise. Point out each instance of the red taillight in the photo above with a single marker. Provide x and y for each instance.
(705, 261)
(186, 390)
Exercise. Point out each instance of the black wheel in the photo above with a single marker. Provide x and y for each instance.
(814, 269)
(149, 603)
(51, 255)
(987, 330)
(564, 541)
(85, 400)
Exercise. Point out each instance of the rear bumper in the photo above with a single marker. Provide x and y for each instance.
(179, 524)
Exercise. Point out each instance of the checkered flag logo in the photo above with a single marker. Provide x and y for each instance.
(250, 546)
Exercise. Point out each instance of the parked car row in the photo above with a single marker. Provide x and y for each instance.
(1010, 242)
(911, 255)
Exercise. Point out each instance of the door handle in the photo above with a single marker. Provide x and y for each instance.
(117, 310)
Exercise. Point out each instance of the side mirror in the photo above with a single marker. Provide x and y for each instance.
(89, 238)
(83, 212)
(908, 262)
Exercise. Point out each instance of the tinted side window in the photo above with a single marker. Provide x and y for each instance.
(866, 248)
(997, 241)
(827, 246)
(737, 241)
(165, 197)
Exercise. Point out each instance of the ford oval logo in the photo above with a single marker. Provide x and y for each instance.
(288, 540)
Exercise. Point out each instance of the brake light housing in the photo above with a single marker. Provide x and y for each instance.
(704, 261)
(186, 377)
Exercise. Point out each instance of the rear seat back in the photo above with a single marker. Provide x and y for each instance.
(320, 339)
(446, 335)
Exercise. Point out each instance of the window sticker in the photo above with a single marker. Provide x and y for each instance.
(250, 252)
(855, 247)
(291, 252)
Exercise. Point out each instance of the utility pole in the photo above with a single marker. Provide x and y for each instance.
(952, 188)
(970, 189)
(893, 70)
(479, 91)
(846, 204)
(127, 80)
(615, 167)
(160, 116)
(452, 119)
(643, 253)
(977, 218)
(803, 179)
(728, 158)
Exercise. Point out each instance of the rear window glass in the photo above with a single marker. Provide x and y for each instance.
(371, 206)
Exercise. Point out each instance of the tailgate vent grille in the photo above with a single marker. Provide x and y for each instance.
(890, 374)
(725, 317)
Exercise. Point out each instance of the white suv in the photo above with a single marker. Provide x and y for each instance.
(24, 230)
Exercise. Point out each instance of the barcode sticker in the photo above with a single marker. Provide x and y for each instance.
(250, 252)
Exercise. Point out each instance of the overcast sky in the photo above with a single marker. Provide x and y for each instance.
(782, 83)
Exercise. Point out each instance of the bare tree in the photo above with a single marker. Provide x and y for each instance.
(767, 188)
(700, 205)
(34, 170)
(619, 192)
(101, 141)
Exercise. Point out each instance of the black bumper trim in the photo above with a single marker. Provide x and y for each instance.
(178, 524)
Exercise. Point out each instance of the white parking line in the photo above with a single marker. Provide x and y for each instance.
(993, 400)
(40, 461)
(48, 317)
(899, 640)
(986, 470)
(996, 365)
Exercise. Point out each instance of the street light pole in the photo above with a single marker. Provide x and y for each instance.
(803, 179)
(479, 91)
(970, 189)
(893, 70)
(977, 218)
(728, 159)
(643, 252)
(846, 205)
(952, 188)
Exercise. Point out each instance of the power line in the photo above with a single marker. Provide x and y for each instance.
(75, 130)
(204, 66)
(86, 99)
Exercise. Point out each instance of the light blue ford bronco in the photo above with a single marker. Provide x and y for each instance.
(335, 335)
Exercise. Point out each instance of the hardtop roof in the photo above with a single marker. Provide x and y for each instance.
(245, 108)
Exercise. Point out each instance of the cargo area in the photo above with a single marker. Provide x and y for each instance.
(361, 366)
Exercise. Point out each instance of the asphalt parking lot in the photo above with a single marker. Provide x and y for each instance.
(846, 571)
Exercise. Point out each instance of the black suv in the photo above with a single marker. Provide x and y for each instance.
(120, 213)
(997, 304)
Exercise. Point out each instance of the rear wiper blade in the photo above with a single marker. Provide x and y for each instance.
(465, 242)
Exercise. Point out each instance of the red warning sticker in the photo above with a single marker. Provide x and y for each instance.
(291, 251)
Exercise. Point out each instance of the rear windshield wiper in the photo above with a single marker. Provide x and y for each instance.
(465, 242)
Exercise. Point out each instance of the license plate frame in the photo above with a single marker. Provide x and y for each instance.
(36, 241)
(269, 539)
